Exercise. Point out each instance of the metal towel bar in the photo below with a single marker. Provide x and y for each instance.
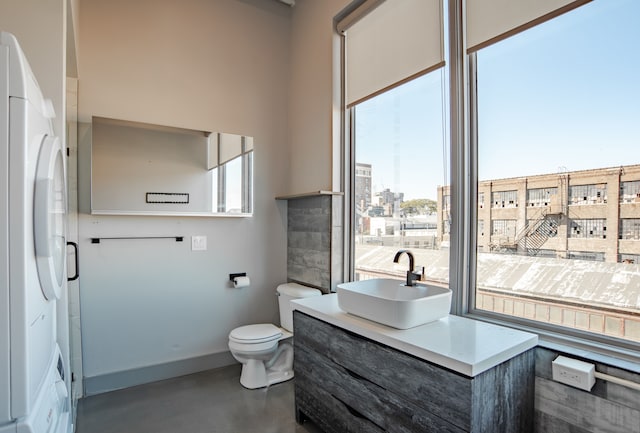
(97, 240)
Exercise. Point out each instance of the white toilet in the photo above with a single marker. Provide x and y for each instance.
(266, 359)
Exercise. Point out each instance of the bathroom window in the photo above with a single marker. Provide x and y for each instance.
(556, 105)
(395, 107)
(544, 125)
(400, 161)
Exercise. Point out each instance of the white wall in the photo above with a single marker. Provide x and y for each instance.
(209, 65)
(312, 97)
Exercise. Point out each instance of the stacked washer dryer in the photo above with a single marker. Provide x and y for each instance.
(33, 394)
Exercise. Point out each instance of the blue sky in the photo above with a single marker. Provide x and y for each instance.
(400, 134)
(565, 94)
(568, 96)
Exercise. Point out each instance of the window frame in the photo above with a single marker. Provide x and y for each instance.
(463, 191)
(587, 344)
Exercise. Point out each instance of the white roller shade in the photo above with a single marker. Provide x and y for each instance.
(489, 21)
(396, 41)
(223, 147)
(212, 150)
(230, 147)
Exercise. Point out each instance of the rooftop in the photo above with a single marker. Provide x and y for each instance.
(607, 285)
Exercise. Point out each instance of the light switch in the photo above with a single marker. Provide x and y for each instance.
(198, 243)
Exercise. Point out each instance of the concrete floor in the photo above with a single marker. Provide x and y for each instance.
(208, 402)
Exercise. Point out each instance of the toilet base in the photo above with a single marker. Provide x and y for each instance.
(258, 374)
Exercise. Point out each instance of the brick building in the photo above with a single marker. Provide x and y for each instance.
(589, 215)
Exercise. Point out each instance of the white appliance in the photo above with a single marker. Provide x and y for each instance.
(33, 394)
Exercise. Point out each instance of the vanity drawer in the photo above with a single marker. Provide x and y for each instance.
(362, 401)
(387, 385)
(419, 382)
(330, 414)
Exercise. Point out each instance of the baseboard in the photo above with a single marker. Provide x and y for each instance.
(138, 376)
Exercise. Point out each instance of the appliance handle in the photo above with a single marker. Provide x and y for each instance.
(77, 274)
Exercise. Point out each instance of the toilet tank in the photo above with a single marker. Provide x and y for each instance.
(287, 292)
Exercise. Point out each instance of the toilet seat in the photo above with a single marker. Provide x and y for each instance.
(255, 334)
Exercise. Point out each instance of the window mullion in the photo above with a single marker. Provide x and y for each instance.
(462, 253)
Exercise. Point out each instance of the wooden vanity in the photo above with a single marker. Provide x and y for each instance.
(453, 375)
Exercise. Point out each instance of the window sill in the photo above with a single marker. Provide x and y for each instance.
(573, 345)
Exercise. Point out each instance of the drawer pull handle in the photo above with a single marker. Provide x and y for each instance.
(357, 414)
(351, 410)
(355, 375)
(361, 378)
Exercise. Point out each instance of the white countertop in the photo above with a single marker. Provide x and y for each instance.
(463, 345)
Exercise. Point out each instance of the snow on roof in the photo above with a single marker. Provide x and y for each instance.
(586, 282)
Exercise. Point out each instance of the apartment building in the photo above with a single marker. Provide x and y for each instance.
(363, 186)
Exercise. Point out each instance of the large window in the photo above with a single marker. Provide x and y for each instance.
(541, 196)
(557, 109)
(588, 228)
(540, 112)
(587, 194)
(630, 192)
(400, 161)
(394, 86)
(504, 199)
(630, 229)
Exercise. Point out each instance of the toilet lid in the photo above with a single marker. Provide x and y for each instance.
(259, 333)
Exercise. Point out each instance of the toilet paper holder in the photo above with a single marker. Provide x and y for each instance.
(240, 280)
(232, 277)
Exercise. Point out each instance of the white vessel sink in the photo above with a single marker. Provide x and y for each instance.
(391, 303)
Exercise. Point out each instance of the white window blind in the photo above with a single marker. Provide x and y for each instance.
(396, 41)
(489, 21)
(223, 147)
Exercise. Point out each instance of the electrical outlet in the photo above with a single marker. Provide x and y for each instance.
(572, 372)
(198, 243)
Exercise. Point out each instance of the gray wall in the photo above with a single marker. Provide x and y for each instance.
(153, 308)
(309, 241)
(315, 241)
(609, 407)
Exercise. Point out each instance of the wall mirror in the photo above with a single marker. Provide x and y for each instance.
(145, 169)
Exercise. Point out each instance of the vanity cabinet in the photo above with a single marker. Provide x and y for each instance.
(347, 383)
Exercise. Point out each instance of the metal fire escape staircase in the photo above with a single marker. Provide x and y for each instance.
(530, 239)
(533, 236)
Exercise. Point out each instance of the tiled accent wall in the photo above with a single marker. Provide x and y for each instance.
(608, 408)
(314, 252)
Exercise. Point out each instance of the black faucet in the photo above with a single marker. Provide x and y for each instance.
(412, 276)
